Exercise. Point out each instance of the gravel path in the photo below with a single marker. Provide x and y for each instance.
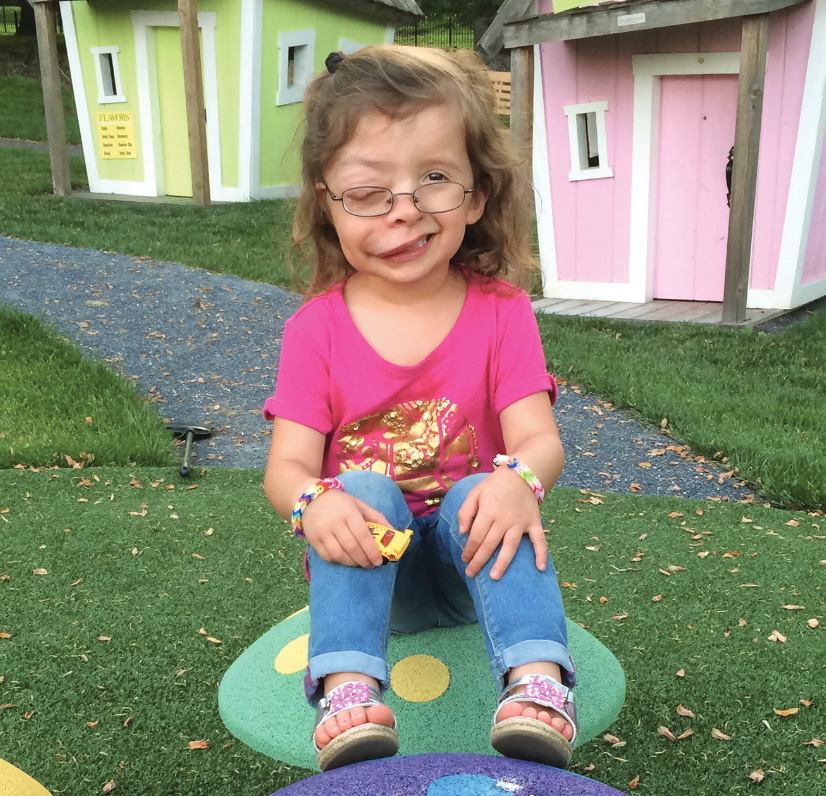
(205, 347)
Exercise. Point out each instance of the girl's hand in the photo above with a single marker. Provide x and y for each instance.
(334, 524)
(499, 511)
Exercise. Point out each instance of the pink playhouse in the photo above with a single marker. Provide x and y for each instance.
(635, 107)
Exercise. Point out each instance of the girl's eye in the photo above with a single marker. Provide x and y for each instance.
(436, 176)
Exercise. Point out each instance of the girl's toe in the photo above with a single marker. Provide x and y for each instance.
(545, 718)
(322, 737)
(332, 728)
(358, 716)
(529, 713)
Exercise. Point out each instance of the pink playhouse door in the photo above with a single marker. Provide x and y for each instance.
(697, 119)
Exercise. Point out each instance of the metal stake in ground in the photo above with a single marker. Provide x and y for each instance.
(188, 433)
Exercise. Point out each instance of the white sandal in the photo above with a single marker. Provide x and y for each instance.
(532, 739)
(363, 741)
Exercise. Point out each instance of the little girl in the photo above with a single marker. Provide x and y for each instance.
(412, 392)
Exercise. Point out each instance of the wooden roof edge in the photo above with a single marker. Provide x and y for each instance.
(492, 41)
(604, 20)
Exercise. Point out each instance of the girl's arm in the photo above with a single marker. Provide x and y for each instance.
(334, 523)
(502, 508)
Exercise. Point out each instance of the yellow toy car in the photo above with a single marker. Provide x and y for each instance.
(391, 543)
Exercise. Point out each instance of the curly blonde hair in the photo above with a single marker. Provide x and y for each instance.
(398, 82)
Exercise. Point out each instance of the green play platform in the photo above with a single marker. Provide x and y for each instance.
(441, 691)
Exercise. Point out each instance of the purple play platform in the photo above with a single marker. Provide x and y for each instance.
(448, 775)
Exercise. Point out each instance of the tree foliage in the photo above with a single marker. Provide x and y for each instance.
(464, 11)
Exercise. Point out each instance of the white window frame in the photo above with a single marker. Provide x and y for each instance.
(303, 41)
(348, 46)
(117, 94)
(578, 134)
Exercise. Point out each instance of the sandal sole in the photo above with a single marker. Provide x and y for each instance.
(365, 742)
(532, 740)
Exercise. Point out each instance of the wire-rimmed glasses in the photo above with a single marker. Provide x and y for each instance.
(369, 201)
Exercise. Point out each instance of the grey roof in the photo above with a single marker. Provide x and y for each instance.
(403, 5)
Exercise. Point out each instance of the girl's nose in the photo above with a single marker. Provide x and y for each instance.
(404, 207)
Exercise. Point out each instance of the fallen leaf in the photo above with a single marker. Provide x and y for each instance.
(686, 734)
(807, 703)
(202, 632)
(814, 742)
(666, 733)
(757, 775)
(40, 571)
(619, 617)
(141, 513)
(5, 635)
(720, 736)
(684, 711)
(644, 465)
(675, 514)
(812, 623)
(199, 557)
(92, 724)
(788, 712)
(656, 598)
(213, 640)
(104, 638)
(777, 636)
(794, 607)
(793, 523)
(199, 744)
(128, 722)
(742, 623)
(78, 582)
(675, 568)
(108, 787)
(603, 600)
(703, 553)
(634, 782)
(209, 532)
(612, 739)
(681, 673)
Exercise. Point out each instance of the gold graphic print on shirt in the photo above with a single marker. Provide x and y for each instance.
(424, 446)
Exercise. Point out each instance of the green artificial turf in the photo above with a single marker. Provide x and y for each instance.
(55, 404)
(147, 573)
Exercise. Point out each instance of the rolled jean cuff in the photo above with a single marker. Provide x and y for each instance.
(331, 662)
(530, 651)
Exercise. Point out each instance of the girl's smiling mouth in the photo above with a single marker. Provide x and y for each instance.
(408, 250)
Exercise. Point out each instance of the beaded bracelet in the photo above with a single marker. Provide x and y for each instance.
(318, 488)
(526, 473)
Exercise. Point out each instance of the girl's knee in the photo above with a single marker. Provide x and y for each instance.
(379, 492)
(457, 494)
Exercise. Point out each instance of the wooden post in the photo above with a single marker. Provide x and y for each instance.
(44, 18)
(744, 173)
(194, 91)
(522, 67)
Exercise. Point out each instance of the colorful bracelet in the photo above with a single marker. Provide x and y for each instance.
(318, 488)
(524, 472)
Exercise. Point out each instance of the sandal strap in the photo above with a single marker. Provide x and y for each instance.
(544, 691)
(346, 696)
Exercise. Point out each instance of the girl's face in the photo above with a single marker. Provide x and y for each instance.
(405, 246)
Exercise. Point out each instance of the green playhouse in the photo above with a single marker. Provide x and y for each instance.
(257, 57)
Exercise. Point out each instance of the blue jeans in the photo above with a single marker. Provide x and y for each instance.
(353, 610)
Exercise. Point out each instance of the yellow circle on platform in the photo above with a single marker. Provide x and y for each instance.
(293, 657)
(419, 678)
(13, 782)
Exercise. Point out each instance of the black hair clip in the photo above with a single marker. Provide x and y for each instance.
(332, 61)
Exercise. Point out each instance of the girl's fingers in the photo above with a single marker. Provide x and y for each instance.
(467, 513)
(486, 548)
(506, 554)
(540, 546)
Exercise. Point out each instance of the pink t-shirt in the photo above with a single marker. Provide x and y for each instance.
(425, 426)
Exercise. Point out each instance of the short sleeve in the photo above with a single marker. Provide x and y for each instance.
(520, 363)
(302, 390)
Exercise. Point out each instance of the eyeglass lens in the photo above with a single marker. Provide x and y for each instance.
(439, 197)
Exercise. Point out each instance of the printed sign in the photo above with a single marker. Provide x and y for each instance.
(116, 136)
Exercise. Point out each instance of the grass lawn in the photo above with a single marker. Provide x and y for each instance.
(247, 240)
(56, 404)
(107, 677)
(21, 95)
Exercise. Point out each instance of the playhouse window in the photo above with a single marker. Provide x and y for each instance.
(296, 51)
(107, 71)
(588, 139)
